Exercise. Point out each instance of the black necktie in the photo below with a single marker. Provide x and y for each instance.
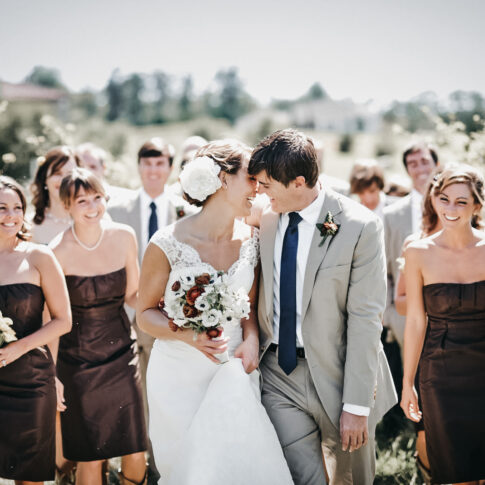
(287, 335)
(153, 221)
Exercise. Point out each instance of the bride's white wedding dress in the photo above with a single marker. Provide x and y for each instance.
(207, 423)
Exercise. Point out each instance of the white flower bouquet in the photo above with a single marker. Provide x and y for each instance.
(205, 303)
(7, 333)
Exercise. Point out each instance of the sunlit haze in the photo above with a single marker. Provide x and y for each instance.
(373, 49)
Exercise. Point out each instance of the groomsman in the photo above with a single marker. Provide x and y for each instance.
(322, 293)
(146, 210)
(402, 219)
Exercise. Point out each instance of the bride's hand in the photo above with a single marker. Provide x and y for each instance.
(208, 347)
(248, 352)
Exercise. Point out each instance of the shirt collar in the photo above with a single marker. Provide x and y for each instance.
(145, 199)
(416, 197)
(311, 212)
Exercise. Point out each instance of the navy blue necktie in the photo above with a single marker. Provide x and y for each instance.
(287, 336)
(153, 221)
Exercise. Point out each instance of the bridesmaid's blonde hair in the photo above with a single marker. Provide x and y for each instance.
(463, 174)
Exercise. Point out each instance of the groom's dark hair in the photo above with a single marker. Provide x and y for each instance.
(285, 155)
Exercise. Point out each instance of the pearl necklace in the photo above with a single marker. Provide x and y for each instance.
(87, 248)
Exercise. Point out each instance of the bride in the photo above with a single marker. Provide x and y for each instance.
(207, 424)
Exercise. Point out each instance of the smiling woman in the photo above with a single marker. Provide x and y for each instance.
(98, 362)
(445, 329)
(50, 216)
(29, 278)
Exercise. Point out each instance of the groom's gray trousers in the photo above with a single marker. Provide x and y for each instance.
(303, 428)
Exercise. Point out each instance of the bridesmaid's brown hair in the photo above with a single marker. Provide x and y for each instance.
(54, 159)
(10, 183)
(79, 177)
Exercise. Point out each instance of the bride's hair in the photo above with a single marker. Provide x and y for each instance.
(228, 154)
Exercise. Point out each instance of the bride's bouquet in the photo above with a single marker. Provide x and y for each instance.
(205, 303)
(7, 333)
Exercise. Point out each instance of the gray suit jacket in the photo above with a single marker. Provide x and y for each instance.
(127, 211)
(398, 225)
(344, 295)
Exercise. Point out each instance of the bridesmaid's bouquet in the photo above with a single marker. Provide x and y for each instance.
(205, 303)
(7, 333)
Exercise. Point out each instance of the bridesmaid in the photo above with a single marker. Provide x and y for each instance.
(51, 217)
(30, 274)
(98, 362)
(445, 282)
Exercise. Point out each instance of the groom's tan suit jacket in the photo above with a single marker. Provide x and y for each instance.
(344, 296)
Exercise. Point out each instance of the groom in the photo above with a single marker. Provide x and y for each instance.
(326, 382)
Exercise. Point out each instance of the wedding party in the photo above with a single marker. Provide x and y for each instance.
(233, 282)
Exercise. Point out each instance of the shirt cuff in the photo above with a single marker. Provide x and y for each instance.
(357, 410)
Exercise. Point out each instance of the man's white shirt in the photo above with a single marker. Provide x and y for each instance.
(306, 229)
(417, 210)
(145, 212)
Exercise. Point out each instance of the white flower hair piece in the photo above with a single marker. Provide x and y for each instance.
(199, 178)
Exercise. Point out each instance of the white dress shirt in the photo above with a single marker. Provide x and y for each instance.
(145, 212)
(379, 210)
(306, 229)
(417, 210)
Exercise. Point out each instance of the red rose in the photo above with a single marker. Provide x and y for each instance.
(172, 326)
(214, 332)
(193, 294)
(190, 311)
(176, 286)
(203, 279)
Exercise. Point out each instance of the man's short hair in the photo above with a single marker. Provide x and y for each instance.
(286, 155)
(96, 152)
(156, 147)
(364, 174)
(416, 147)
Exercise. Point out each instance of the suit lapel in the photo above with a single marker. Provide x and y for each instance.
(269, 225)
(317, 254)
(170, 212)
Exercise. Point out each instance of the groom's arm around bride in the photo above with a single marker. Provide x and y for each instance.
(322, 294)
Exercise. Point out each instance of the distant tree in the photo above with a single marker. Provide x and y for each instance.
(86, 103)
(45, 76)
(346, 143)
(132, 92)
(468, 107)
(315, 92)
(162, 94)
(230, 101)
(114, 94)
(186, 99)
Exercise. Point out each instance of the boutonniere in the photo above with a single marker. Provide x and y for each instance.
(327, 228)
(180, 211)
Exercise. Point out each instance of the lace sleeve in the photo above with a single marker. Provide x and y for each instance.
(164, 239)
(252, 250)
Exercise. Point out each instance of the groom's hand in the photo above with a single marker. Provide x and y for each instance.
(353, 431)
(248, 352)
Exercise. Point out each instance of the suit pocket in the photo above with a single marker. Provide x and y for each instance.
(337, 269)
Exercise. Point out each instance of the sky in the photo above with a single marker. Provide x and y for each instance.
(364, 49)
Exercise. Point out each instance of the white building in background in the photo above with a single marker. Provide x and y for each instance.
(343, 116)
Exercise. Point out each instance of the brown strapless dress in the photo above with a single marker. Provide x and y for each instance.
(98, 365)
(27, 394)
(452, 381)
